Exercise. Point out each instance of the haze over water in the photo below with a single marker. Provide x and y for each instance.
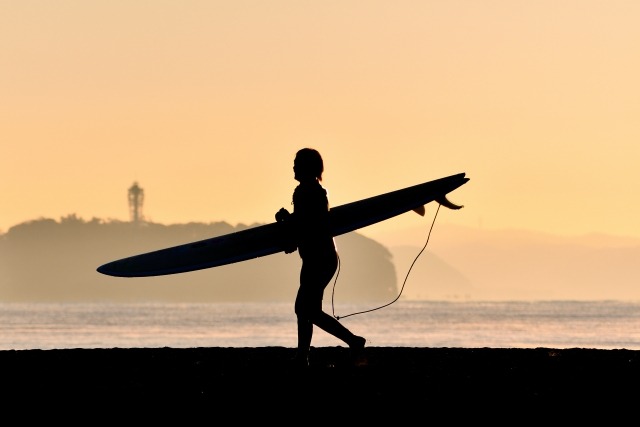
(552, 324)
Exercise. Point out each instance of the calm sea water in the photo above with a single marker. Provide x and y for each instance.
(552, 324)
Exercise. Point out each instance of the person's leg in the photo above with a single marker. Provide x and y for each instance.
(314, 278)
(332, 326)
(303, 303)
(305, 333)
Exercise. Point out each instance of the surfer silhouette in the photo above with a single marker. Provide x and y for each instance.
(309, 232)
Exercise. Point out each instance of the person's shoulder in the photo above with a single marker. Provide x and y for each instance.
(310, 189)
(299, 189)
(317, 189)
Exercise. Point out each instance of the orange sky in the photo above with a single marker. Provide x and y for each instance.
(204, 104)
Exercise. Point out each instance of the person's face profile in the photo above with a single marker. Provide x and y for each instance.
(295, 170)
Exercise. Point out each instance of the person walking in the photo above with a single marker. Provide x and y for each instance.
(309, 233)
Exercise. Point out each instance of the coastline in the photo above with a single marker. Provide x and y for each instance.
(407, 379)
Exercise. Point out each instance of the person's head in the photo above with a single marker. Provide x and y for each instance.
(308, 164)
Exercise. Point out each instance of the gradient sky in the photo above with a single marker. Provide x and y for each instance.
(204, 104)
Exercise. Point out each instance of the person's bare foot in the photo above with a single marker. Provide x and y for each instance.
(357, 343)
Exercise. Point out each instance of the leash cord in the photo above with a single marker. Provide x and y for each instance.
(403, 283)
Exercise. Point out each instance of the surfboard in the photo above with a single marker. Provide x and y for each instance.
(268, 239)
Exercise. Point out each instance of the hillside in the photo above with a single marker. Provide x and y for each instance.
(51, 261)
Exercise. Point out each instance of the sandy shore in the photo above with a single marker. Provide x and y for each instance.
(395, 381)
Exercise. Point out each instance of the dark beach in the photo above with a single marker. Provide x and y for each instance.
(394, 381)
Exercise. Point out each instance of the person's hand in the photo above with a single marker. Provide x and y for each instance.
(282, 215)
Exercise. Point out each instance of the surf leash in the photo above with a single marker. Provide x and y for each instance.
(403, 283)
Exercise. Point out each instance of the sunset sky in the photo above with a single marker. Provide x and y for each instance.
(204, 104)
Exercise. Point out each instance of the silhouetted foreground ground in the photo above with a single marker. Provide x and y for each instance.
(259, 383)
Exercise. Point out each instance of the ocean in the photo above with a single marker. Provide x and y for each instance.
(404, 323)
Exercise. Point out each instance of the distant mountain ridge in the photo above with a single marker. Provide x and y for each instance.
(519, 265)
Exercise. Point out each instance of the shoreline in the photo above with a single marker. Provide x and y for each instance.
(411, 378)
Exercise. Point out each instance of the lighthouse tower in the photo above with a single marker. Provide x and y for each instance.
(136, 199)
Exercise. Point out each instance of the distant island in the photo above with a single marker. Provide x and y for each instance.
(46, 260)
